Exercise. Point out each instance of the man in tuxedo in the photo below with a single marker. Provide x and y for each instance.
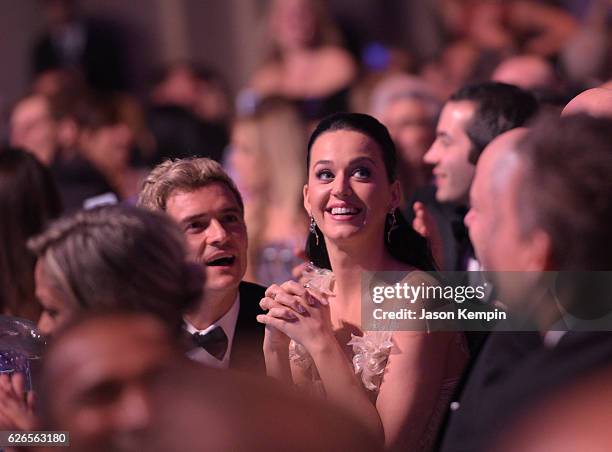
(471, 118)
(206, 204)
(539, 202)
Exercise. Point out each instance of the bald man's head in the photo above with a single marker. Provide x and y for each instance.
(595, 102)
(492, 203)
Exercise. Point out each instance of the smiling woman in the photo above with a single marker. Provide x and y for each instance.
(352, 197)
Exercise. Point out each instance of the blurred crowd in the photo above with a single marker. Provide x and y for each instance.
(495, 154)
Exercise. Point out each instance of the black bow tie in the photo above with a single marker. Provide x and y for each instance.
(214, 342)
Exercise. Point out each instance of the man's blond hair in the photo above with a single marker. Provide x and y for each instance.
(186, 175)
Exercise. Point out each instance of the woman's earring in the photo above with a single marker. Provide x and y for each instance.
(313, 229)
(392, 226)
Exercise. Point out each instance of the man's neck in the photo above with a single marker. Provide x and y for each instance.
(211, 308)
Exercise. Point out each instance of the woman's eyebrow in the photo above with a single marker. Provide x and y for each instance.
(364, 158)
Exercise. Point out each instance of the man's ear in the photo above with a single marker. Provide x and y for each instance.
(396, 195)
(540, 254)
(307, 200)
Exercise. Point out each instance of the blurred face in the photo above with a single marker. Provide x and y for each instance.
(293, 23)
(245, 157)
(450, 151)
(108, 147)
(56, 309)
(216, 234)
(101, 396)
(33, 128)
(411, 128)
(348, 192)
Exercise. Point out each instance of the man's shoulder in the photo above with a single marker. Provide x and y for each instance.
(251, 290)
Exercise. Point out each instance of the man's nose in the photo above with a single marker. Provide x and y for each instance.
(431, 156)
(468, 218)
(135, 411)
(216, 233)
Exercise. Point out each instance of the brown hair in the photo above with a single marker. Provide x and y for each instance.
(121, 256)
(565, 189)
(184, 175)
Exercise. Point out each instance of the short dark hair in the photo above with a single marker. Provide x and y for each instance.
(499, 108)
(565, 189)
(405, 244)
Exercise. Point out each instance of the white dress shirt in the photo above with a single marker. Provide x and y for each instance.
(228, 323)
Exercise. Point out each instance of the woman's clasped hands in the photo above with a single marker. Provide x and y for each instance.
(301, 313)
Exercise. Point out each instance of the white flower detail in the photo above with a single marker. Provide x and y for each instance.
(371, 354)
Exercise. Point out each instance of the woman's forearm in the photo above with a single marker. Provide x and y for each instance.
(277, 364)
(343, 387)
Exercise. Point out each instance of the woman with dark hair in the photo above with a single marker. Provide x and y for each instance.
(352, 196)
(28, 200)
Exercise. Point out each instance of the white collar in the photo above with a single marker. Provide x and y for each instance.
(228, 323)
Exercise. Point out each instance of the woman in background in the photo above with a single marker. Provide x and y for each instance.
(267, 158)
(306, 63)
(28, 200)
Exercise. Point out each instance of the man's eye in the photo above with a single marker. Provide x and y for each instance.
(362, 173)
(325, 175)
(230, 218)
(195, 226)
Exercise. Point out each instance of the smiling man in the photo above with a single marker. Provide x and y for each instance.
(206, 204)
(469, 121)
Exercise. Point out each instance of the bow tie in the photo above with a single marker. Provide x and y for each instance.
(214, 342)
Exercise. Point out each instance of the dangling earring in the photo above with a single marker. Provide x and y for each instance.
(313, 229)
(392, 226)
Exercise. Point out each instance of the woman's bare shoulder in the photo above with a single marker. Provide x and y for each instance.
(417, 277)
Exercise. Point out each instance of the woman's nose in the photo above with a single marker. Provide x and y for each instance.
(342, 187)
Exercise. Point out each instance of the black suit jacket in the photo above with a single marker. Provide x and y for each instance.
(513, 374)
(247, 348)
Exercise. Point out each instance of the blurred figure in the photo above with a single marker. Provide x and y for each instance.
(116, 256)
(406, 106)
(276, 222)
(505, 26)
(34, 127)
(534, 74)
(586, 58)
(198, 195)
(595, 102)
(189, 113)
(100, 396)
(457, 65)
(306, 62)
(244, 414)
(83, 46)
(576, 418)
(49, 130)
(106, 141)
(529, 72)
(28, 200)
